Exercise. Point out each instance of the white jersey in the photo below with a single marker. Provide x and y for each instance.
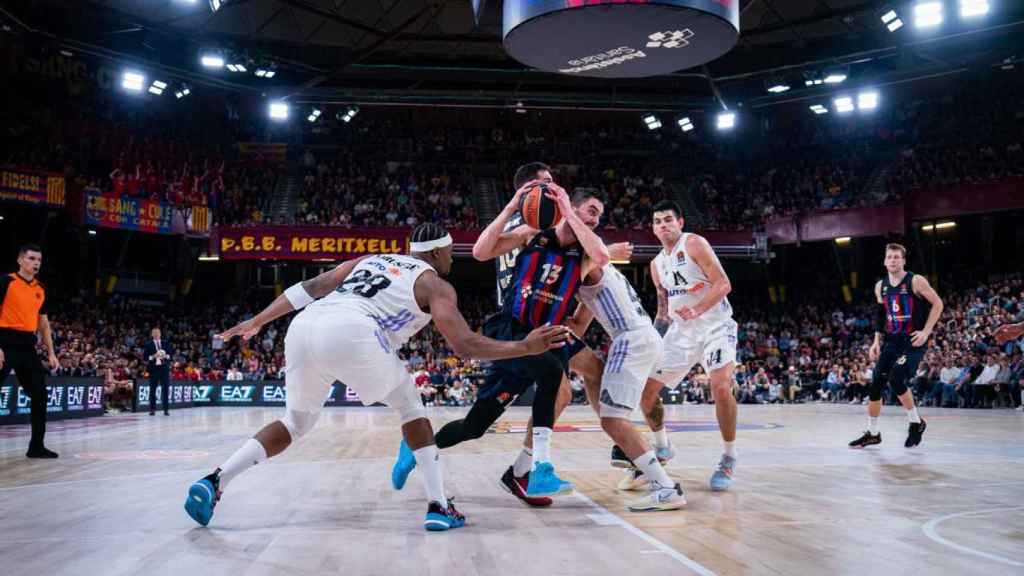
(614, 303)
(687, 284)
(381, 287)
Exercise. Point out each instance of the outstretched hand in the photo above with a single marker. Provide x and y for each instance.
(546, 338)
(246, 329)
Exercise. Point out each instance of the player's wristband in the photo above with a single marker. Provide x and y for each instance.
(297, 296)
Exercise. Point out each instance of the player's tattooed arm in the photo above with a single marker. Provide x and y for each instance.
(662, 320)
(656, 415)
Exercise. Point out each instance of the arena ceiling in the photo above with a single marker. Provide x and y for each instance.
(435, 51)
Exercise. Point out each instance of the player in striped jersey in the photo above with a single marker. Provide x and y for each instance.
(542, 291)
(908, 310)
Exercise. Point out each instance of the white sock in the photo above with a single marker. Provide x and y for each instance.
(428, 460)
(661, 438)
(523, 463)
(912, 416)
(873, 425)
(541, 445)
(730, 449)
(250, 454)
(649, 465)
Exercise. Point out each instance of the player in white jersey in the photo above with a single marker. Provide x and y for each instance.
(635, 348)
(695, 317)
(356, 317)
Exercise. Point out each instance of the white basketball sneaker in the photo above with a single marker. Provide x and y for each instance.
(633, 480)
(659, 498)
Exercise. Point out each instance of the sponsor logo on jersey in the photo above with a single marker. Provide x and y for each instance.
(680, 257)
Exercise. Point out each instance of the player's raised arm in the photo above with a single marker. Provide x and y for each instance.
(705, 257)
(493, 241)
(294, 298)
(442, 302)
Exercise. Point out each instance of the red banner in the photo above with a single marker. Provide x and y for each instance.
(32, 187)
(308, 243)
(336, 243)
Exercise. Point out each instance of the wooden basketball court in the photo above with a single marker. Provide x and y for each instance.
(802, 503)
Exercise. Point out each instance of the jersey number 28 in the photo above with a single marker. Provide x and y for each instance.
(364, 283)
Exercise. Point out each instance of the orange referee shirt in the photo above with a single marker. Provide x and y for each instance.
(21, 303)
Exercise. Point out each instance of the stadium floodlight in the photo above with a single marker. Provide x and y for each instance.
(652, 121)
(237, 68)
(844, 104)
(777, 86)
(836, 75)
(265, 72)
(182, 92)
(726, 121)
(314, 115)
(973, 8)
(867, 100)
(685, 124)
(928, 14)
(843, 240)
(133, 81)
(92, 232)
(349, 114)
(212, 60)
(892, 20)
(278, 111)
(216, 4)
(819, 109)
(157, 87)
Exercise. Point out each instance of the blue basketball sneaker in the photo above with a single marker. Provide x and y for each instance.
(722, 478)
(403, 466)
(544, 482)
(203, 497)
(439, 519)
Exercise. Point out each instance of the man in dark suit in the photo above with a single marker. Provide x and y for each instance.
(158, 358)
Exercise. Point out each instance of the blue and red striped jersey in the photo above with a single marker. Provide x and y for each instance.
(544, 283)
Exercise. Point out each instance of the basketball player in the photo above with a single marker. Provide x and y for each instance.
(907, 313)
(695, 317)
(582, 359)
(357, 316)
(636, 347)
(547, 278)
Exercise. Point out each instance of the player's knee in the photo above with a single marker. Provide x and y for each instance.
(721, 388)
(407, 403)
(875, 388)
(299, 423)
(612, 415)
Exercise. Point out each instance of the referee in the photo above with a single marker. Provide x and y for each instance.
(22, 314)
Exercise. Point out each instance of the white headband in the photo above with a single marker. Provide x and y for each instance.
(429, 245)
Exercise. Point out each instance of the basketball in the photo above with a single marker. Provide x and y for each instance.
(538, 210)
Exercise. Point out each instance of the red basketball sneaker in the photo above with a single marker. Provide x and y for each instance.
(517, 487)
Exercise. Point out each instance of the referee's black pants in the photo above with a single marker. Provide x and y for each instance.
(24, 361)
(161, 376)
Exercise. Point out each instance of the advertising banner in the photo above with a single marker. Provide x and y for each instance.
(32, 187)
(66, 398)
(309, 243)
(138, 214)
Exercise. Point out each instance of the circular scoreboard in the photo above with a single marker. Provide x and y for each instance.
(619, 38)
